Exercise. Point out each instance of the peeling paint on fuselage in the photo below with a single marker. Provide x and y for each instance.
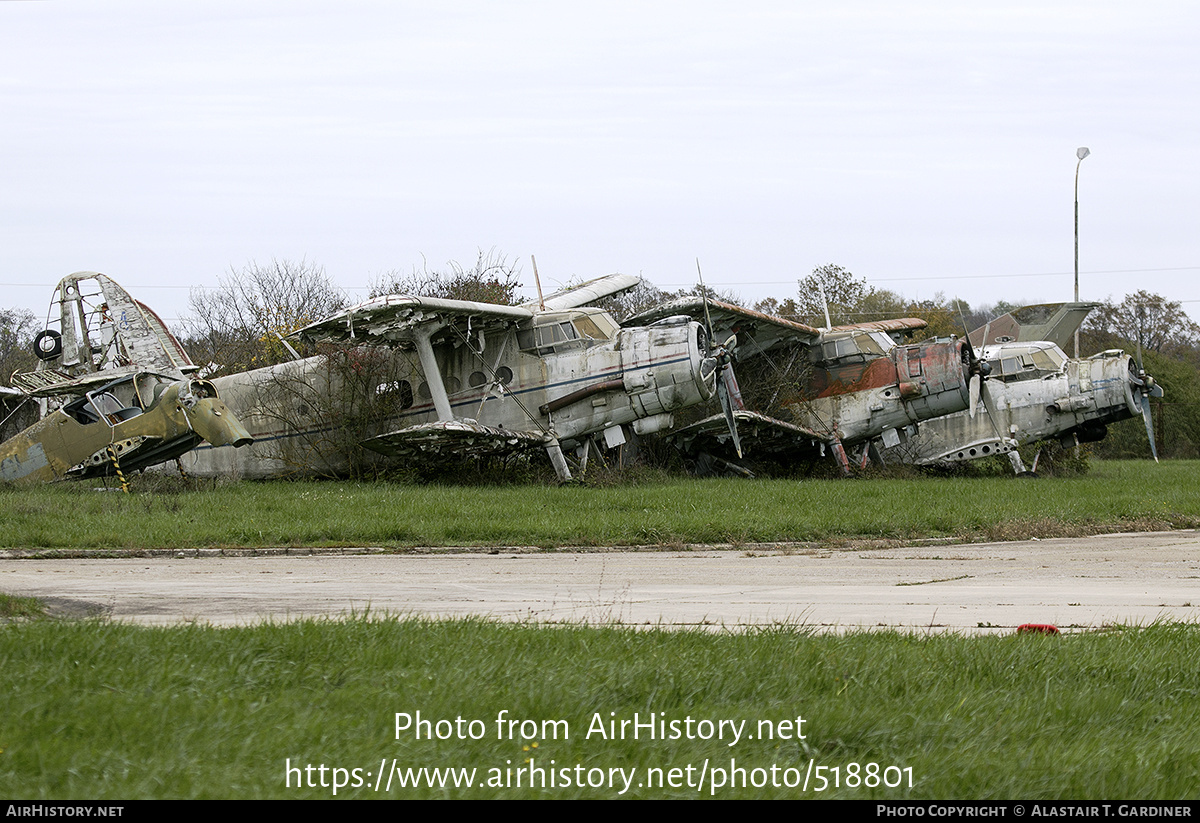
(862, 394)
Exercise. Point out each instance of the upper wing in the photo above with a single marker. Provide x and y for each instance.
(395, 320)
(585, 294)
(757, 332)
(895, 328)
(1054, 322)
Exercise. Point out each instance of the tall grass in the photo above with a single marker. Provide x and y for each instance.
(97, 710)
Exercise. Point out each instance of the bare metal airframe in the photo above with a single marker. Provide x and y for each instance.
(1035, 392)
(481, 378)
(860, 384)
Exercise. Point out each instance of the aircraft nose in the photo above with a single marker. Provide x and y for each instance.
(212, 420)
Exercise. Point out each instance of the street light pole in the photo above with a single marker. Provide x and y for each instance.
(1081, 153)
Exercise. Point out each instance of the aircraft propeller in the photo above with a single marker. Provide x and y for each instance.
(1145, 389)
(719, 359)
(978, 369)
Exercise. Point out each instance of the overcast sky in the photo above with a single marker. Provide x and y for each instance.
(926, 146)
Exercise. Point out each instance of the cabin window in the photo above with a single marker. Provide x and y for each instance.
(398, 391)
(476, 379)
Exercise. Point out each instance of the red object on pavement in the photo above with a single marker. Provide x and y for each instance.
(1037, 628)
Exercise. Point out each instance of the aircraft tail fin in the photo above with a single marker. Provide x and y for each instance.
(101, 328)
(1054, 322)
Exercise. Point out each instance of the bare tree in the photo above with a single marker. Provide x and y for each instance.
(493, 279)
(237, 326)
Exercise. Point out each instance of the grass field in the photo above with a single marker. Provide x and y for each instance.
(124, 712)
(1114, 496)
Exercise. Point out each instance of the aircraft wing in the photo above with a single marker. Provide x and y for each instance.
(397, 318)
(757, 333)
(758, 432)
(587, 293)
(898, 327)
(455, 437)
(1053, 322)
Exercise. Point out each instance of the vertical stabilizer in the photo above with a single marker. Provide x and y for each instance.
(1053, 322)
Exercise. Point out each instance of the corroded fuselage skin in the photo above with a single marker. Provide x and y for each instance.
(84, 437)
(865, 385)
(1036, 392)
(563, 375)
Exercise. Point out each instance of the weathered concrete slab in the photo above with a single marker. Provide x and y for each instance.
(1080, 583)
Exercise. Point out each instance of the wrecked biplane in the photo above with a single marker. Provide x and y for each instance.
(836, 388)
(1035, 392)
(115, 388)
(475, 378)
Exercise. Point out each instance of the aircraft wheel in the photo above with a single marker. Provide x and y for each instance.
(1029, 475)
(44, 351)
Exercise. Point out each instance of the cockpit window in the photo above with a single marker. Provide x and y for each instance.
(867, 345)
(885, 343)
(587, 327)
(567, 330)
(1027, 363)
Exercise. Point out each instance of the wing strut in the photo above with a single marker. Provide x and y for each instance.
(433, 375)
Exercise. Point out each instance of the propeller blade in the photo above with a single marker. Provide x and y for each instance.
(729, 381)
(974, 386)
(1149, 418)
(727, 404)
(704, 295)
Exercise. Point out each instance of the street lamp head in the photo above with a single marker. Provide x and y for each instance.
(1082, 152)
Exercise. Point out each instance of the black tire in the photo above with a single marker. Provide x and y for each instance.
(55, 348)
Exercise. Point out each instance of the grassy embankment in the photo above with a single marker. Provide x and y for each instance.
(1114, 496)
(98, 710)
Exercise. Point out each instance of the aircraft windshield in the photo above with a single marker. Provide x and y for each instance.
(867, 345)
(1027, 362)
(561, 331)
